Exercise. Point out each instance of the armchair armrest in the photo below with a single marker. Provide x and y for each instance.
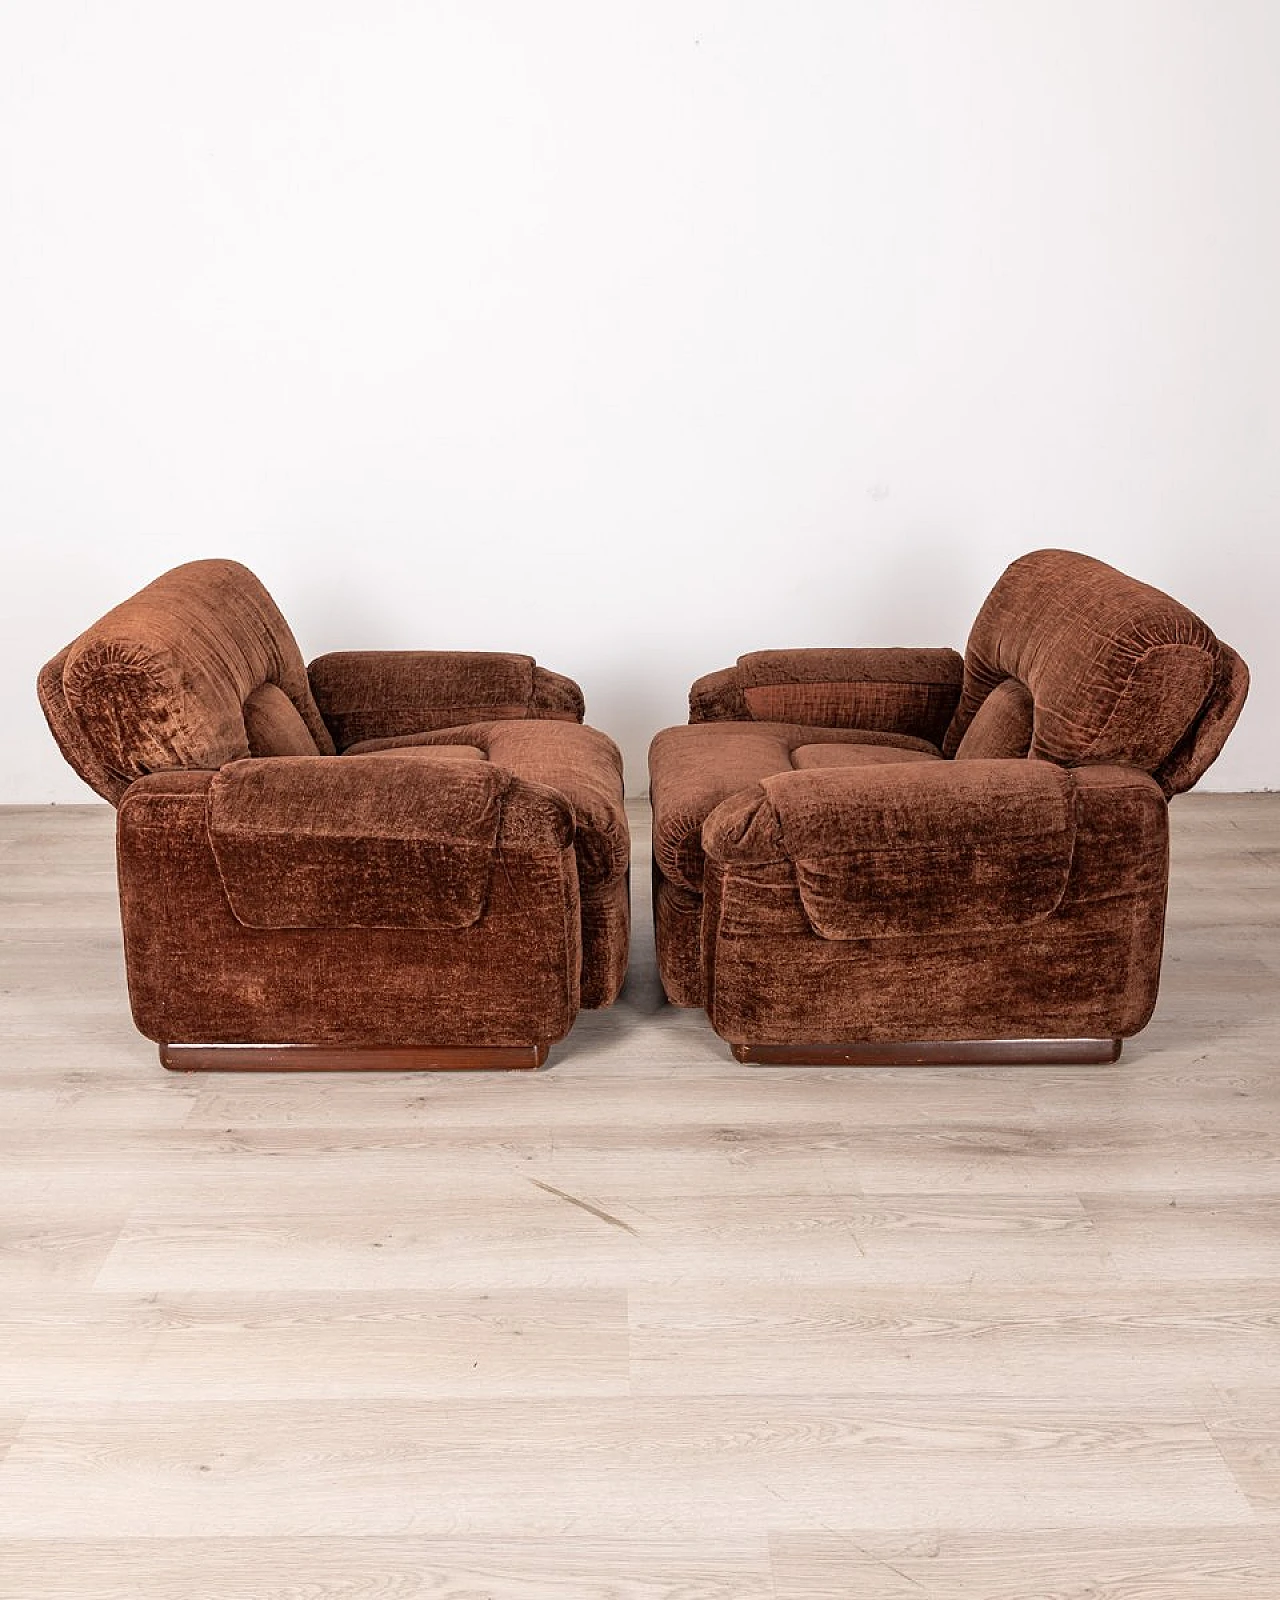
(927, 848)
(383, 694)
(907, 691)
(371, 841)
(717, 697)
(365, 842)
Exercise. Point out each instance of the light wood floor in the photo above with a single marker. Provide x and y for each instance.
(647, 1325)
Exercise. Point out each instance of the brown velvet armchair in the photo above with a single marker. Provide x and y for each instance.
(909, 855)
(386, 859)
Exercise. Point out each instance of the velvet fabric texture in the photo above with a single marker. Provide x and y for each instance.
(834, 883)
(273, 725)
(161, 681)
(381, 694)
(436, 884)
(1002, 727)
(911, 692)
(362, 843)
(198, 974)
(1088, 969)
(1117, 671)
(692, 769)
(585, 767)
(881, 851)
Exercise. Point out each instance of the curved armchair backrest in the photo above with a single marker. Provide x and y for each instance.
(1094, 667)
(197, 669)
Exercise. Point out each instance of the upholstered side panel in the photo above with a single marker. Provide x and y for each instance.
(677, 919)
(198, 975)
(584, 767)
(606, 940)
(161, 681)
(1090, 969)
(1118, 671)
(1206, 737)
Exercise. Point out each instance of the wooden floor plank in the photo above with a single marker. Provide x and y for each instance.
(1028, 1340)
(225, 1349)
(319, 1568)
(1129, 1563)
(1244, 1422)
(1196, 1236)
(713, 1466)
(373, 1170)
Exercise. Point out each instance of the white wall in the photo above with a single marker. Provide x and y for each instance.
(635, 335)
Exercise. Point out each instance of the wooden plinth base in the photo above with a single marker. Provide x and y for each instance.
(934, 1053)
(349, 1058)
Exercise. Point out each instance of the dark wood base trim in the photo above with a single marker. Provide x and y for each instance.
(349, 1058)
(934, 1053)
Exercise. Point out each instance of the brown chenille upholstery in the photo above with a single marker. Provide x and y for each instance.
(955, 848)
(387, 849)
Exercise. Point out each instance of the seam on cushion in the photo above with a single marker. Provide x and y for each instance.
(899, 849)
(880, 739)
(947, 933)
(217, 861)
(852, 683)
(1133, 670)
(1131, 950)
(114, 671)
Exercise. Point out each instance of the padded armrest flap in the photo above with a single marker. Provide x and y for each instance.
(925, 848)
(365, 842)
(895, 691)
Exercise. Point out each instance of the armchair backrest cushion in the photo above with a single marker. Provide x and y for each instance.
(197, 669)
(1116, 671)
